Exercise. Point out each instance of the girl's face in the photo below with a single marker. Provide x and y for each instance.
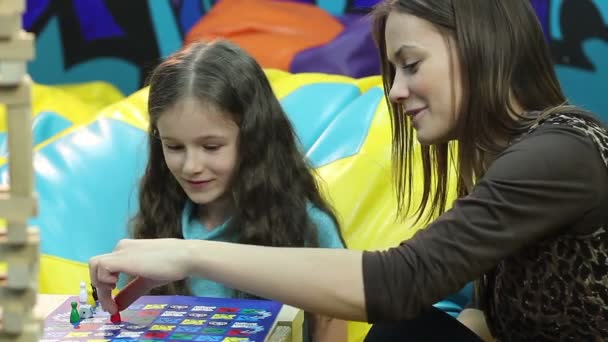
(200, 146)
(427, 76)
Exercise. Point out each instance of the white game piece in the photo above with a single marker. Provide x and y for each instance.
(85, 311)
(83, 293)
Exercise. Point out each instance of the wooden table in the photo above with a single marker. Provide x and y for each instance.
(288, 327)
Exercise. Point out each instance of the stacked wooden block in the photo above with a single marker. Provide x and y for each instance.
(19, 244)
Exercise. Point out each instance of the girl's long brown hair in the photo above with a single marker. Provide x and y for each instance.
(274, 185)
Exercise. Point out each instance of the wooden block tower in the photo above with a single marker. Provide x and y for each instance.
(19, 244)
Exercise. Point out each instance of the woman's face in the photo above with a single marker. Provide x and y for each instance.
(427, 76)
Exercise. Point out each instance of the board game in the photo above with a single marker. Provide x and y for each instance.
(169, 318)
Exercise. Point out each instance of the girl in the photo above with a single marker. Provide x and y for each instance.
(224, 165)
(531, 221)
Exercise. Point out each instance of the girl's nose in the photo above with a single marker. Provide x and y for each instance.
(194, 162)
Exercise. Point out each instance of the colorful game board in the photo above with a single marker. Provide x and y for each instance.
(169, 318)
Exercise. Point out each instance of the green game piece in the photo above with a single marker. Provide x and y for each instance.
(74, 316)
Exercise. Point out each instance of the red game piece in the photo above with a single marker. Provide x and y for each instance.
(115, 318)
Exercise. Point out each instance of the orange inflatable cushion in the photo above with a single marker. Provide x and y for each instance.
(273, 32)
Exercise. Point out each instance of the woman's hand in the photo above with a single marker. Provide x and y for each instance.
(152, 263)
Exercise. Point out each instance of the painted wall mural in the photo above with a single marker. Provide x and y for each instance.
(120, 41)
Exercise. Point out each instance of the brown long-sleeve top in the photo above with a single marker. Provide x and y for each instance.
(550, 186)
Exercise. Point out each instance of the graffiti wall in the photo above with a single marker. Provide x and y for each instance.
(120, 41)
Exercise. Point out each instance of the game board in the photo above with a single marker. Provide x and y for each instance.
(169, 318)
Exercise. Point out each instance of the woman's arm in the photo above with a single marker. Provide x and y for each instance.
(289, 275)
(323, 281)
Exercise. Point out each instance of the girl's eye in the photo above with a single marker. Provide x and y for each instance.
(211, 147)
(412, 67)
(173, 147)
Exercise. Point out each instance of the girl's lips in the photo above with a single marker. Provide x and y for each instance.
(199, 184)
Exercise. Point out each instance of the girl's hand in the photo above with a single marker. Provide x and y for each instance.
(153, 263)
